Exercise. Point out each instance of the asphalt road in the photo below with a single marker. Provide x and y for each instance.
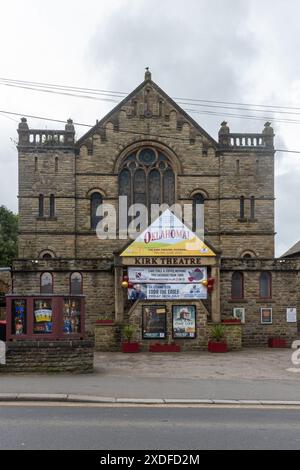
(133, 428)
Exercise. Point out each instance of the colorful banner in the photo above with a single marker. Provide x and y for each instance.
(167, 292)
(168, 236)
(184, 321)
(169, 275)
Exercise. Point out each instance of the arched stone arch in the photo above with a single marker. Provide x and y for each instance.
(199, 191)
(48, 252)
(248, 254)
(96, 190)
(167, 150)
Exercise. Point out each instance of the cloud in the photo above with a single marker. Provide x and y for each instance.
(225, 50)
(194, 48)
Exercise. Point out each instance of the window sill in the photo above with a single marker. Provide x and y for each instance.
(268, 300)
(249, 220)
(237, 301)
(46, 218)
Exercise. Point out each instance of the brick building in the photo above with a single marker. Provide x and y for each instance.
(62, 182)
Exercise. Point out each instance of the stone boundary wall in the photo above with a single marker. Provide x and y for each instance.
(74, 356)
(107, 338)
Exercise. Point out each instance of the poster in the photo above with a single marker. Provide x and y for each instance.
(43, 320)
(239, 314)
(154, 322)
(266, 316)
(168, 236)
(291, 315)
(167, 292)
(19, 317)
(184, 321)
(177, 275)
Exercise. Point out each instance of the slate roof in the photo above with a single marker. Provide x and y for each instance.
(293, 252)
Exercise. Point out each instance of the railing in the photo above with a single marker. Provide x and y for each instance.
(45, 138)
(37, 137)
(246, 140)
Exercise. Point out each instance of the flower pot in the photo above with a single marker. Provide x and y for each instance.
(130, 347)
(233, 320)
(105, 322)
(277, 343)
(157, 347)
(215, 347)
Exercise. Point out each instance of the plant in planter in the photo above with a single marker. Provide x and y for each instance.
(129, 346)
(218, 344)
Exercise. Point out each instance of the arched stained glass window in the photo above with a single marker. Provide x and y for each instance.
(198, 213)
(46, 286)
(154, 187)
(265, 285)
(147, 177)
(96, 201)
(76, 284)
(237, 285)
(139, 187)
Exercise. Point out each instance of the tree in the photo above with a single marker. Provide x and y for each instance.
(8, 236)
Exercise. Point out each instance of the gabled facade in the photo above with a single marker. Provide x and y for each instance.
(150, 150)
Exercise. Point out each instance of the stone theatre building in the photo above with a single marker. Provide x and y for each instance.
(150, 150)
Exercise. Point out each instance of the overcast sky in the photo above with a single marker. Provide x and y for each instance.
(227, 50)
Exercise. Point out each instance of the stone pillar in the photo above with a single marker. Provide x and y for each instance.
(119, 295)
(215, 298)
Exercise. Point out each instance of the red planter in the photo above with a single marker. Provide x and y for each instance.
(105, 322)
(217, 347)
(277, 343)
(231, 321)
(130, 347)
(164, 348)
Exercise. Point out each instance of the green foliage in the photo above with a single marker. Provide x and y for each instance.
(128, 332)
(218, 333)
(8, 236)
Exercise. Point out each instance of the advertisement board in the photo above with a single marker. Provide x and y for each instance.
(175, 274)
(291, 315)
(266, 316)
(167, 292)
(168, 236)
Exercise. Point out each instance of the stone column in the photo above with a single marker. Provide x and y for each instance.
(215, 298)
(119, 295)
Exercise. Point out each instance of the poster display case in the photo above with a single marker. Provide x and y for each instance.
(154, 322)
(44, 316)
(184, 321)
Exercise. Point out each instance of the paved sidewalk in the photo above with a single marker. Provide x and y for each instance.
(251, 374)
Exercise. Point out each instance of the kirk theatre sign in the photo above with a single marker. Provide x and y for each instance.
(148, 150)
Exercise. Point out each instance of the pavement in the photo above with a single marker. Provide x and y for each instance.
(255, 377)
